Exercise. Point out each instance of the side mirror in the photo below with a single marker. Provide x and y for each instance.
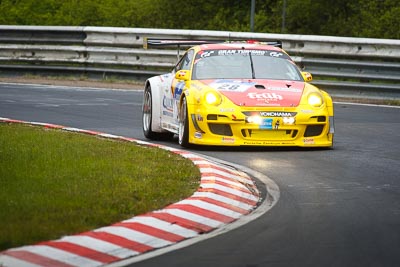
(306, 76)
(183, 75)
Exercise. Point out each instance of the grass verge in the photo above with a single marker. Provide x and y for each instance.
(55, 183)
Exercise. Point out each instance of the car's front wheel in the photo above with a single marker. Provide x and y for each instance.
(183, 125)
(147, 118)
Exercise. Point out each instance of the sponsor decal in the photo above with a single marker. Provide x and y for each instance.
(275, 54)
(285, 89)
(252, 143)
(276, 125)
(197, 86)
(277, 114)
(204, 54)
(307, 111)
(267, 143)
(228, 140)
(168, 103)
(268, 104)
(178, 90)
(198, 135)
(168, 113)
(164, 76)
(227, 110)
(308, 141)
(265, 96)
(242, 52)
(266, 124)
(199, 117)
(169, 107)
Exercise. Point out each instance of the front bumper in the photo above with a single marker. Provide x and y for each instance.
(310, 127)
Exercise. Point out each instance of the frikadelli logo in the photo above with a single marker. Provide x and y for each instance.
(267, 96)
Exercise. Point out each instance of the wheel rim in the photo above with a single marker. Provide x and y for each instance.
(147, 111)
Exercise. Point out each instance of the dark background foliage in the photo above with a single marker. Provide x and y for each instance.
(357, 18)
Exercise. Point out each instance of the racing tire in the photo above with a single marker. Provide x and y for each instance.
(147, 119)
(183, 136)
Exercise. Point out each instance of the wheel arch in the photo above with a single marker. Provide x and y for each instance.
(329, 102)
(189, 98)
(156, 96)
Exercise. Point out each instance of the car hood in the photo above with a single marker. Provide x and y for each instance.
(278, 93)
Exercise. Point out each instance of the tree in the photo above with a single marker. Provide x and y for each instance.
(359, 18)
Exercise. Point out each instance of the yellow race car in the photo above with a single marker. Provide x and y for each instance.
(241, 93)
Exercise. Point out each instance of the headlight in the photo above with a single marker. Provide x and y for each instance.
(289, 120)
(315, 99)
(213, 98)
(254, 119)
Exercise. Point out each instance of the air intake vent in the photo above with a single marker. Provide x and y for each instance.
(212, 117)
(220, 129)
(313, 130)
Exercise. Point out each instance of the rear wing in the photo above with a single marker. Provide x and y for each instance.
(148, 42)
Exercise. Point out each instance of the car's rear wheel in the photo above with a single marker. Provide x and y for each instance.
(147, 119)
(183, 125)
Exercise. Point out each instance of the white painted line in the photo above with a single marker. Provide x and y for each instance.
(211, 207)
(112, 136)
(368, 105)
(230, 191)
(99, 245)
(163, 225)
(136, 236)
(226, 174)
(226, 181)
(61, 255)
(193, 217)
(7, 261)
(225, 200)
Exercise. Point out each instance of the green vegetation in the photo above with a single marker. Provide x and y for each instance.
(358, 18)
(54, 183)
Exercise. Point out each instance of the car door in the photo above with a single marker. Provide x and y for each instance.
(177, 85)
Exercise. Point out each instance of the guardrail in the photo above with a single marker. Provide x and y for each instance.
(341, 65)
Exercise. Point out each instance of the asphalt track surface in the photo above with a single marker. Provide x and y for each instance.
(337, 207)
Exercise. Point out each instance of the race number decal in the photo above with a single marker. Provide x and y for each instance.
(231, 85)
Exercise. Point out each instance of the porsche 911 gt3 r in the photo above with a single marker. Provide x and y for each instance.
(237, 94)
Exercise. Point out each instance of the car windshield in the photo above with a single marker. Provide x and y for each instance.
(251, 65)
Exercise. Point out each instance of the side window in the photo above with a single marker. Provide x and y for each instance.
(185, 62)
